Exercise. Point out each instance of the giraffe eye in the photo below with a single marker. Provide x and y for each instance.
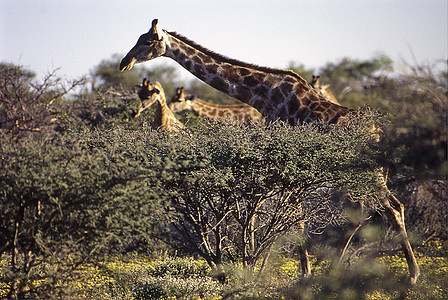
(148, 42)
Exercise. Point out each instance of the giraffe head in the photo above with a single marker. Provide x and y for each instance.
(180, 101)
(177, 99)
(323, 89)
(315, 83)
(148, 94)
(179, 96)
(149, 45)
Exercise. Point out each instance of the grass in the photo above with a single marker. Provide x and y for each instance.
(167, 277)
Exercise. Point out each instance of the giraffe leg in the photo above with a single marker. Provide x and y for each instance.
(304, 261)
(394, 211)
(303, 253)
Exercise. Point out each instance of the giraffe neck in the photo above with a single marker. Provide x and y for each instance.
(238, 112)
(164, 117)
(275, 93)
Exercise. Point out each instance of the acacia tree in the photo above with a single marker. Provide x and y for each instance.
(67, 200)
(27, 105)
(64, 198)
(237, 189)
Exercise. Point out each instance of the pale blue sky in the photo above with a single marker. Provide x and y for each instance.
(76, 35)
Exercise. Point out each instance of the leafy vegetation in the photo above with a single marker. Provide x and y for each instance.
(90, 196)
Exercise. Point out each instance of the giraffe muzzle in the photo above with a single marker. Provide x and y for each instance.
(127, 63)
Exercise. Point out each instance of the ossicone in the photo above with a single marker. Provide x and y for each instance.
(155, 30)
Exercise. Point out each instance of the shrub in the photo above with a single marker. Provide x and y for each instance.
(243, 187)
(179, 288)
(65, 202)
(180, 267)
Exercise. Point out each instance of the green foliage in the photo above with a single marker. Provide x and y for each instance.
(354, 73)
(222, 176)
(100, 110)
(28, 106)
(169, 286)
(180, 267)
(364, 70)
(107, 74)
(65, 200)
(381, 278)
(176, 277)
(415, 144)
(417, 105)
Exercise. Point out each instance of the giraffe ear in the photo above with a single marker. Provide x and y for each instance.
(155, 31)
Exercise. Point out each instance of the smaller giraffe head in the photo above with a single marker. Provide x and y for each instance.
(180, 101)
(149, 45)
(148, 94)
(179, 96)
(315, 83)
(323, 89)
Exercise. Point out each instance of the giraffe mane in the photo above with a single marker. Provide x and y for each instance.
(233, 61)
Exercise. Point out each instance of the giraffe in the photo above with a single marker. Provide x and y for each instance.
(229, 113)
(277, 94)
(323, 89)
(164, 117)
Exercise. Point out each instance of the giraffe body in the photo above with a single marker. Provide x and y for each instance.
(277, 94)
(227, 113)
(164, 118)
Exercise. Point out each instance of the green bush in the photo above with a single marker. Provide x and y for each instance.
(222, 176)
(180, 288)
(64, 202)
(180, 267)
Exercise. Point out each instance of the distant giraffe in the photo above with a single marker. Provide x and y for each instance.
(323, 89)
(163, 118)
(277, 94)
(230, 113)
